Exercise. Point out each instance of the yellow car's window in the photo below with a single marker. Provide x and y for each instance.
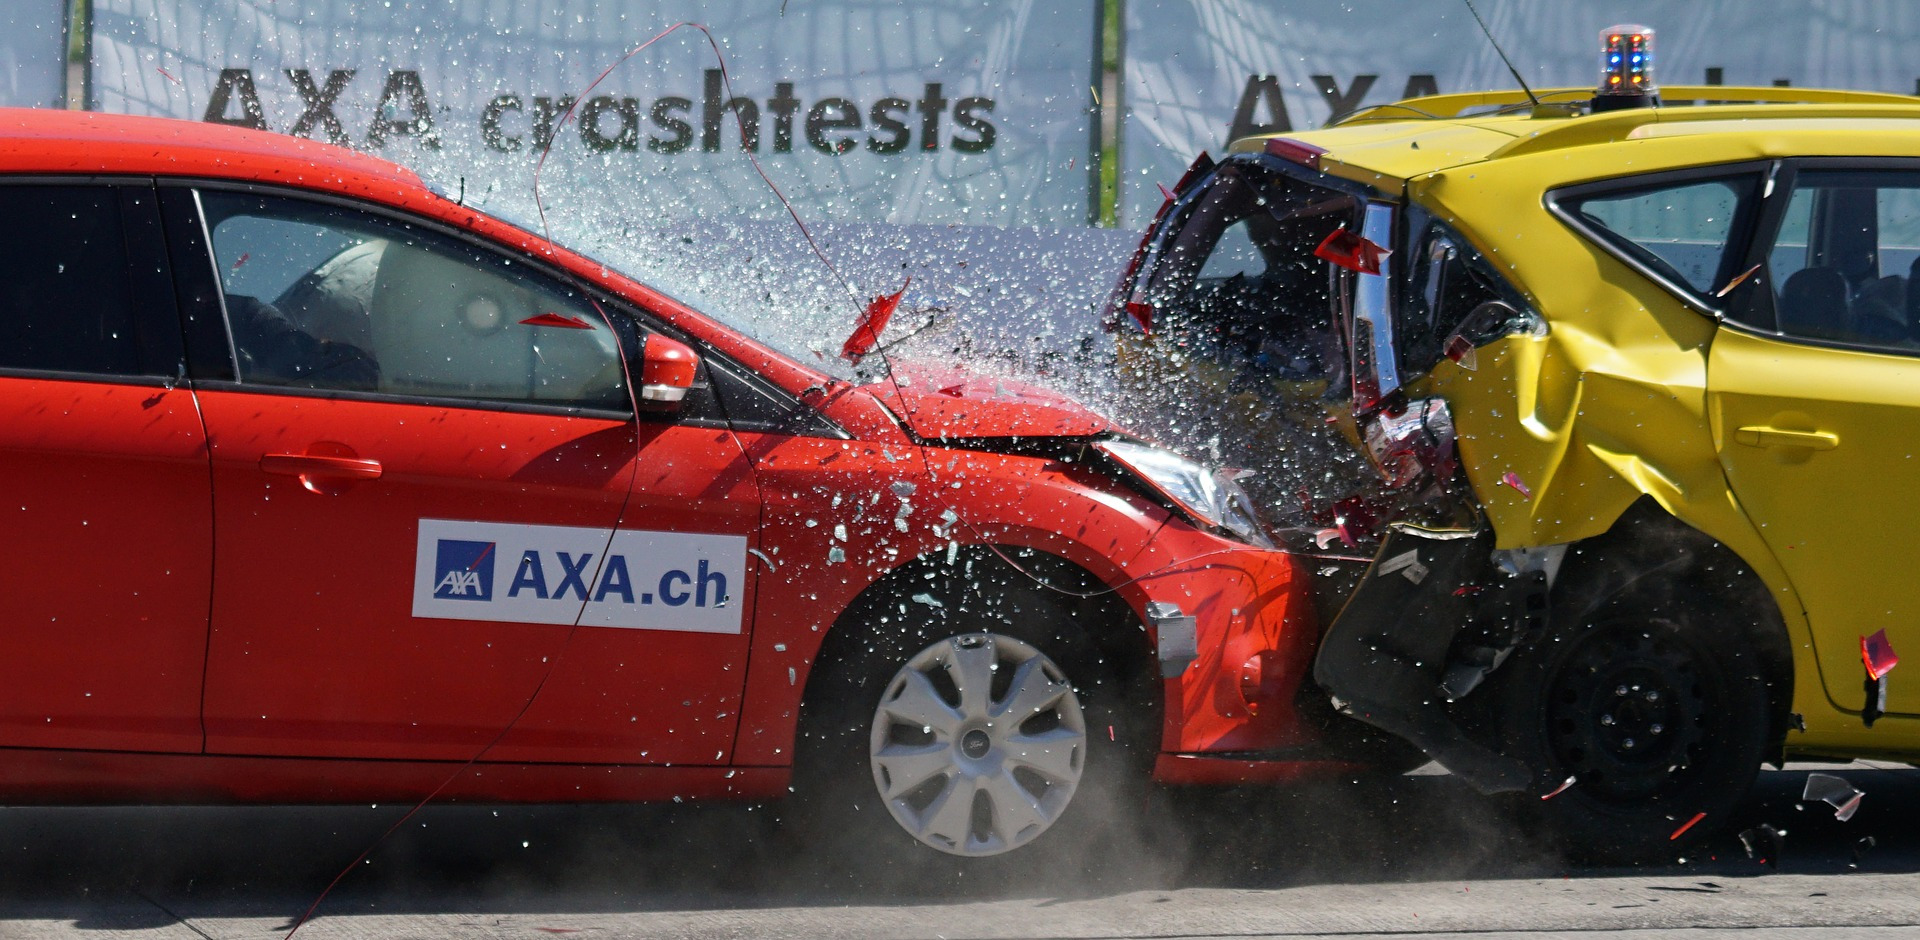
(1844, 260)
(1684, 228)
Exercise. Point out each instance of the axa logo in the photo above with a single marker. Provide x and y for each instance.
(463, 570)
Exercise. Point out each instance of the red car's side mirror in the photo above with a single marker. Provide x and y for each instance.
(667, 368)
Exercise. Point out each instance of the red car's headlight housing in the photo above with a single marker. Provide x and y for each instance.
(1209, 496)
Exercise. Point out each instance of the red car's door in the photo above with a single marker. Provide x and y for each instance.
(103, 463)
(418, 470)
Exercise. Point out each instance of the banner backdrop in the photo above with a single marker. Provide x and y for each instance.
(1199, 72)
(33, 54)
(915, 111)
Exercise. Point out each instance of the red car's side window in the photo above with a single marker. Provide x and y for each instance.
(319, 296)
(66, 304)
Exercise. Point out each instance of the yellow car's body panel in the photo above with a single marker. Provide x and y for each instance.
(1614, 404)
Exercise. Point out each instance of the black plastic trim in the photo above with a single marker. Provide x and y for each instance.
(464, 404)
(92, 378)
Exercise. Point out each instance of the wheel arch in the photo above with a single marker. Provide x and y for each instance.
(969, 575)
(1658, 558)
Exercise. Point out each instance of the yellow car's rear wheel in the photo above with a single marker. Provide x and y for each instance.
(1656, 712)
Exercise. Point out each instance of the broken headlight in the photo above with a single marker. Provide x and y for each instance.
(1209, 496)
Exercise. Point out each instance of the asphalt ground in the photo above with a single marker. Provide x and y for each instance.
(1413, 855)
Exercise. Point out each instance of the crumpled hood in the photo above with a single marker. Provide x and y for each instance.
(944, 402)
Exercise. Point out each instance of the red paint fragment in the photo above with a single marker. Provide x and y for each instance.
(1164, 191)
(1512, 479)
(1565, 784)
(1877, 653)
(1351, 251)
(873, 321)
(1142, 315)
(237, 262)
(1677, 833)
(169, 76)
(557, 319)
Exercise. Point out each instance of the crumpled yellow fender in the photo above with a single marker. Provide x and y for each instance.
(1609, 406)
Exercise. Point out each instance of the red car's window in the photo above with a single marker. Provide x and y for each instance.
(66, 302)
(319, 296)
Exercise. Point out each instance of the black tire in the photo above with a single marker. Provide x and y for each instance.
(837, 816)
(1657, 715)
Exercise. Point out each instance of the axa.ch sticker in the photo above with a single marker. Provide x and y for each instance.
(551, 574)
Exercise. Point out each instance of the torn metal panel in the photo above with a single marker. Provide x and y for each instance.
(1388, 657)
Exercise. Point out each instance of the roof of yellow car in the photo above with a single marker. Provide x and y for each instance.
(1421, 135)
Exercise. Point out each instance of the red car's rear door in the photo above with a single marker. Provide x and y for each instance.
(418, 471)
(103, 467)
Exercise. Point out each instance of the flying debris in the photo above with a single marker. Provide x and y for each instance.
(1835, 792)
(873, 321)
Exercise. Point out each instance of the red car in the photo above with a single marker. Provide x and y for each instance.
(328, 486)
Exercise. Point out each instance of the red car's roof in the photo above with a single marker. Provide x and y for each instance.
(35, 140)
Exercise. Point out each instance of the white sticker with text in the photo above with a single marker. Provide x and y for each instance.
(543, 574)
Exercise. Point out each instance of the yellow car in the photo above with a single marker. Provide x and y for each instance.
(1636, 380)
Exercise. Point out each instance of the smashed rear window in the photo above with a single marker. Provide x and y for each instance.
(1233, 271)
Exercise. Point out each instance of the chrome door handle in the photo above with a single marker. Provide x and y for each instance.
(1760, 435)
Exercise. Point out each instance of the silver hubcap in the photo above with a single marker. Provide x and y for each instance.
(978, 744)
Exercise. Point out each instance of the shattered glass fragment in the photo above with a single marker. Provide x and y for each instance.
(1764, 844)
(1860, 850)
(1835, 792)
(1512, 479)
(1461, 352)
(835, 555)
(927, 599)
(902, 488)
